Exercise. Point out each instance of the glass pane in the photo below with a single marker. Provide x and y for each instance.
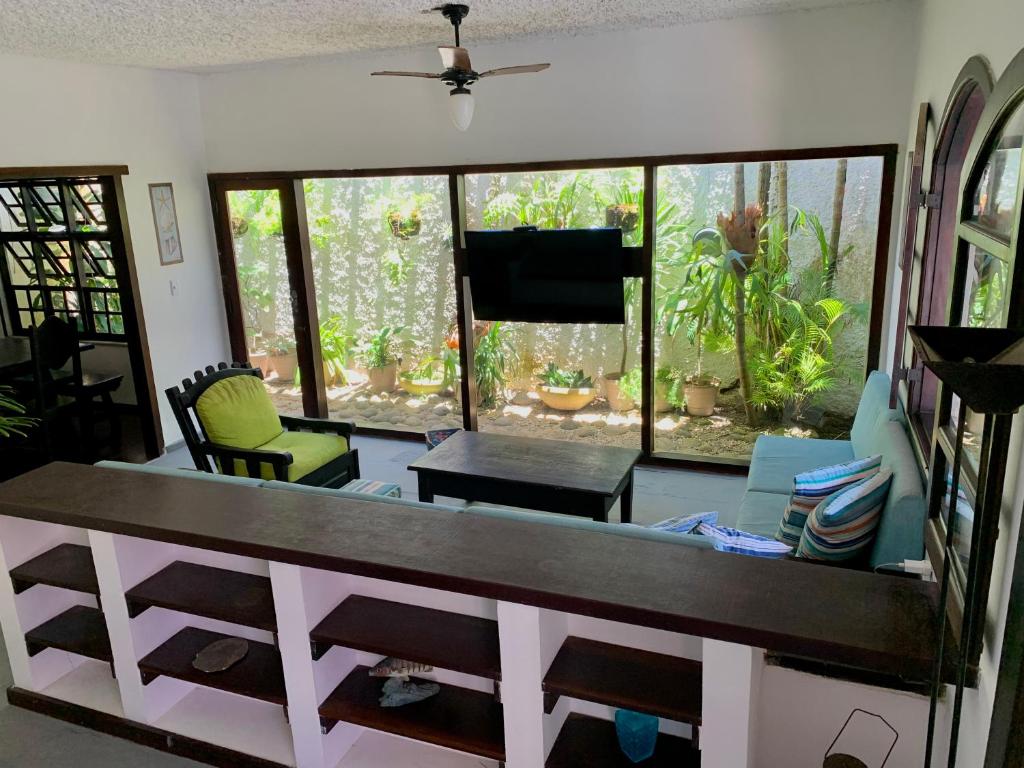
(566, 381)
(258, 244)
(963, 520)
(12, 212)
(21, 265)
(798, 292)
(994, 200)
(47, 208)
(87, 204)
(385, 291)
(987, 290)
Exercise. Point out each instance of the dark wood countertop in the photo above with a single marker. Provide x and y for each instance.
(879, 623)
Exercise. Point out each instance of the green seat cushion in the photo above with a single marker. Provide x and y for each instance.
(777, 460)
(309, 451)
(761, 512)
(238, 412)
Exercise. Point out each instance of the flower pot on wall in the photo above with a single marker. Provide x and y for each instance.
(566, 398)
(617, 399)
(404, 227)
(625, 216)
(383, 379)
(701, 395)
(284, 365)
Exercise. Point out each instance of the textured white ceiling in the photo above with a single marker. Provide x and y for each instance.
(198, 34)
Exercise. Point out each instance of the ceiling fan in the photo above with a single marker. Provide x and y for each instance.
(458, 72)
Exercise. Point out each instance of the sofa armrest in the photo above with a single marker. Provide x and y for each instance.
(226, 455)
(304, 424)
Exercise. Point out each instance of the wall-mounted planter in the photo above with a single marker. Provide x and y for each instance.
(404, 227)
(625, 216)
(566, 398)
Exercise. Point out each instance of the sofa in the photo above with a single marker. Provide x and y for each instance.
(877, 429)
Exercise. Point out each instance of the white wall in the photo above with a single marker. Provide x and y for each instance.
(812, 78)
(951, 32)
(61, 113)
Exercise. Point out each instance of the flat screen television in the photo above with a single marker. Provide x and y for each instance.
(547, 276)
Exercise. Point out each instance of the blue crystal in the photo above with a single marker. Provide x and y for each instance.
(637, 732)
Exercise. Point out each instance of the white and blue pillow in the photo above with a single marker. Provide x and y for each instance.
(811, 488)
(740, 542)
(843, 526)
(684, 523)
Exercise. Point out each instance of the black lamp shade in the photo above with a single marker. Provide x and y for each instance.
(984, 367)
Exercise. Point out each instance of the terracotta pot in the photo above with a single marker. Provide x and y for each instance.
(260, 360)
(566, 398)
(701, 395)
(383, 379)
(661, 393)
(617, 399)
(284, 365)
(414, 387)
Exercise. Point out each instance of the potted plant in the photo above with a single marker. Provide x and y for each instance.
(491, 358)
(381, 358)
(565, 390)
(623, 390)
(283, 360)
(405, 218)
(336, 344)
(666, 382)
(433, 375)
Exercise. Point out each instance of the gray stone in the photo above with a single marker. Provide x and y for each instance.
(569, 424)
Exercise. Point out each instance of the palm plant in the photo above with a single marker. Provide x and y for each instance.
(493, 353)
(336, 345)
(12, 418)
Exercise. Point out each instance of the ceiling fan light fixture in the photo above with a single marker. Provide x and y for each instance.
(460, 106)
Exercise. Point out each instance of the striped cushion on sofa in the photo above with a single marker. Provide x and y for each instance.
(810, 488)
(732, 540)
(843, 526)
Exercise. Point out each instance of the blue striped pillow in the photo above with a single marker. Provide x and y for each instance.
(685, 523)
(743, 543)
(809, 488)
(843, 526)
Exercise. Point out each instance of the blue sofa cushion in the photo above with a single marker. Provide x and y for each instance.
(872, 412)
(342, 494)
(776, 460)
(194, 474)
(900, 534)
(583, 524)
(760, 512)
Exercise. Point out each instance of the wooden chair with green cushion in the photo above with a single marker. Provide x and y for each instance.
(240, 430)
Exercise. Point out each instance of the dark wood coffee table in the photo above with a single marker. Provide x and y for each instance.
(549, 475)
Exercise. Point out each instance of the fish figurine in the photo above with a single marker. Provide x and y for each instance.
(398, 693)
(392, 667)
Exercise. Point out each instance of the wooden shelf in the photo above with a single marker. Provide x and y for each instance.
(588, 741)
(258, 675)
(66, 565)
(79, 629)
(457, 718)
(655, 683)
(439, 638)
(216, 593)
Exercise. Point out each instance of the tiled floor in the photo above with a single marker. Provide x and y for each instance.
(28, 740)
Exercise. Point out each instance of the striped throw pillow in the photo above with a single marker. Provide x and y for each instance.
(684, 523)
(810, 488)
(843, 526)
(743, 543)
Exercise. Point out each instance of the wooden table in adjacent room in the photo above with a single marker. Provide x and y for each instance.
(548, 475)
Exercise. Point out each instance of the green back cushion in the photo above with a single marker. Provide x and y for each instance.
(238, 412)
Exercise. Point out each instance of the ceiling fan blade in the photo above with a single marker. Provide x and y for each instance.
(407, 74)
(515, 70)
(454, 57)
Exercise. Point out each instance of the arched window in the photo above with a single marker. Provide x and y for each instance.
(927, 259)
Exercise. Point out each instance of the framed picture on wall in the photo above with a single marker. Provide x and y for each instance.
(165, 219)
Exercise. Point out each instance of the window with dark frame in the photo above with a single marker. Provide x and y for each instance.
(58, 256)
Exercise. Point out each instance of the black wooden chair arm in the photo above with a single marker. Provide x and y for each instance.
(227, 455)
(304, 424)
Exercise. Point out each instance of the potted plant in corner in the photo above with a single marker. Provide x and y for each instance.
(405, 217)
(381, 358)
(565, 390)
(282, 358)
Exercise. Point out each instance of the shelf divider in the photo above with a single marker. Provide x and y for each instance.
(259, 675)
(440, 638)
(591, 742)
(627, 678)
(79, 629)
(202, 590)
(68, 566)
(457, 718)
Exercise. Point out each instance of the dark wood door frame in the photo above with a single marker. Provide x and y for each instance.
(123, 257)
(297, 245)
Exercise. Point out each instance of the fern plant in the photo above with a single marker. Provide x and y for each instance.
(13, 420)
(493, 354)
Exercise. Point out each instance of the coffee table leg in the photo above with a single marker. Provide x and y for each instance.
(426, 494)
(626, 502)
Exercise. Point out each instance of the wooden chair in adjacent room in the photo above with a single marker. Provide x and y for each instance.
(227, 415)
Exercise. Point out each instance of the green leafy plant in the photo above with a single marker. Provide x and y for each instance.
(380, 350)
(553, 376)
(256, 295)
(493, 354)
(336, 345)
(631, 384)
(551, 202)
(426, 371)
(12, 418)
(280, 346)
